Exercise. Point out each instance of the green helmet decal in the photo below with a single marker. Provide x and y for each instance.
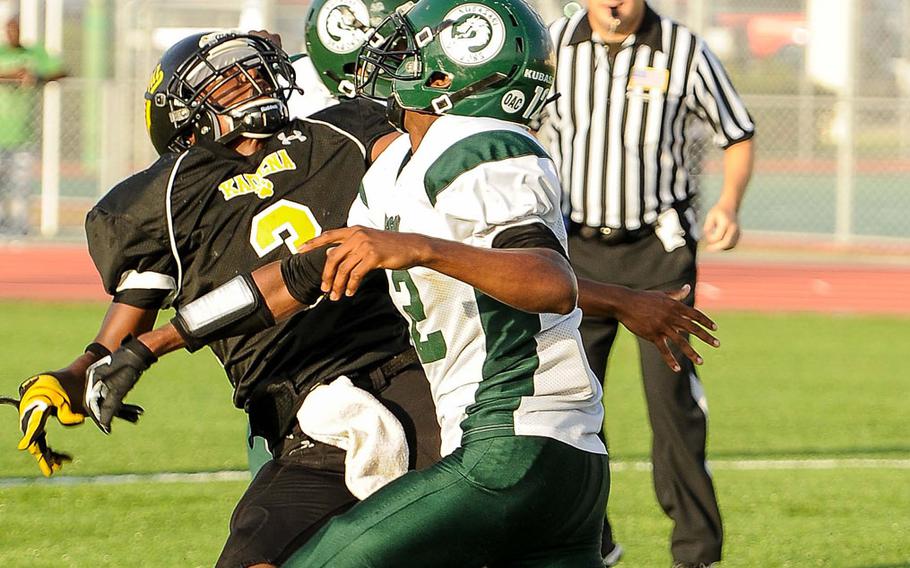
(493, 59)
(335, 31)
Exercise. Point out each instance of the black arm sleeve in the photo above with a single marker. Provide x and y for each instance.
(302, 274)
(535, 235)
(362, 118)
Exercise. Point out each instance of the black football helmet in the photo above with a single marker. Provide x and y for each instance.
(243, 78)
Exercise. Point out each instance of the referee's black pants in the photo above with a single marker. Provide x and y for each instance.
(676, 403)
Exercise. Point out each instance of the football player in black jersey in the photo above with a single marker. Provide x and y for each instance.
(240, 185)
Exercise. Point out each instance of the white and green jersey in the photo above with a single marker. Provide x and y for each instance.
(313, 95)
(493, 370)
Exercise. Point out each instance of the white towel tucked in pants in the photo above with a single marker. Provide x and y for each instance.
(350, 418)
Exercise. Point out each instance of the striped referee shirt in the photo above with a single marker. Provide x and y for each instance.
(618, 133)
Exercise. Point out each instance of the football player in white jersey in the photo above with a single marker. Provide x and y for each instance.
(464, 213)
(336, 30)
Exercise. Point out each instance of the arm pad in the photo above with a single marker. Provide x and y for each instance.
(234, 308)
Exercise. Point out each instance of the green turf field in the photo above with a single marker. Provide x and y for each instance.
(781, 387)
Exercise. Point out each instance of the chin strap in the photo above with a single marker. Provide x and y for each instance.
(394, 113)
(257, 119)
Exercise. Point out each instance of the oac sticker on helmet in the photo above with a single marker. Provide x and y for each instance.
(513, 101)
(343, 25)
(476, 36)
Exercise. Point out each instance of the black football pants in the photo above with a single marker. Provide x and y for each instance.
(297, 492)
(676, 403)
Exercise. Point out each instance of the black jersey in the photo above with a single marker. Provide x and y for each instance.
(192, 221)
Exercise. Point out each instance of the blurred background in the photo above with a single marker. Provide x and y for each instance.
(827, 81)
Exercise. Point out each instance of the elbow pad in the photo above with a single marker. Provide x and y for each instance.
(234, 308)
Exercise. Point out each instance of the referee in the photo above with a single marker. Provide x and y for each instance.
(630, 82)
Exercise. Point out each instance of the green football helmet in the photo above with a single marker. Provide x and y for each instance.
(493, 59)
(335, 30)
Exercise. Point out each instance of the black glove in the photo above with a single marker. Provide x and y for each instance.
(110, 379)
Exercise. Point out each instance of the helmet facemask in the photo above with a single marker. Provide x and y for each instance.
(391, 52)
(235, 85)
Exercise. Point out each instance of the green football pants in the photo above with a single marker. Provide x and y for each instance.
(508, 501)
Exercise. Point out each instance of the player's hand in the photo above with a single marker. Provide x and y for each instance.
(42, 396)
(49, 461)
(109, 380)
(265, 34)
(662, 319)
(359, 250)
(721, 228)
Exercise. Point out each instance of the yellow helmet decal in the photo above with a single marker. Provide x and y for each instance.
(156, 79)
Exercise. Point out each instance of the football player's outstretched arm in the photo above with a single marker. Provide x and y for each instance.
(529, 279)
(61, 393)
(271, 299)
(533, 279)
(659, 317)
(245, 304)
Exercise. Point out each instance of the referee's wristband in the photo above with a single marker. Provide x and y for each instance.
(234, 308)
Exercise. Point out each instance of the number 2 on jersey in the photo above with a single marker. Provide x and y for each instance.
(270, 224)
(433, 348)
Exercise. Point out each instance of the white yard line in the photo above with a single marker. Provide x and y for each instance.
(241, 475)
(128, 478)
(761, 465)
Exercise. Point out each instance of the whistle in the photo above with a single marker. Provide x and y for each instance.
(615, 22)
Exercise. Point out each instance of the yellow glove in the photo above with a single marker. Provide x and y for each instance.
(43, 396)
(48, 460)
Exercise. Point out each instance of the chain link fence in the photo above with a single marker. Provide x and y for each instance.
(827, 82)
(19, 174)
